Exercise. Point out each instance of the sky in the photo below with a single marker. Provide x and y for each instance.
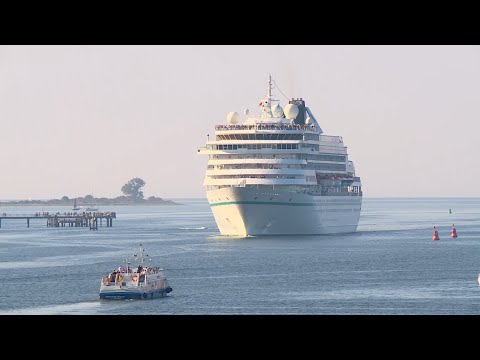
(78, 120)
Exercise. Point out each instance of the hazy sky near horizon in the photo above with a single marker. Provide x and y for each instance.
(77, 120)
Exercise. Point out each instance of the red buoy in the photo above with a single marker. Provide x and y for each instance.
(435, 235)
(453, 234)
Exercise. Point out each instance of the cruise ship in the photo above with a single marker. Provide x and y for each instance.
(277, 173)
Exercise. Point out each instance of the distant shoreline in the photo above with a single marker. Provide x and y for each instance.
(90, 201)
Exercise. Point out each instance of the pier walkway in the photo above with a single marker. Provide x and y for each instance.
(68, 219)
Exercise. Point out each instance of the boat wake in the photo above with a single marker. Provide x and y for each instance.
(193, 228)
(82, 308)
(63, 260)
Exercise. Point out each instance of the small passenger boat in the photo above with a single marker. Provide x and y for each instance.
(140, 282)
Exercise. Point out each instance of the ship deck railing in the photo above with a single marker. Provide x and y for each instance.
(266, 127)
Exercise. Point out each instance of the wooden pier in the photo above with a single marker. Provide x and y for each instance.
(71, 219)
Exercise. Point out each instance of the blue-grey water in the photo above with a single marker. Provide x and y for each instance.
(389, 266)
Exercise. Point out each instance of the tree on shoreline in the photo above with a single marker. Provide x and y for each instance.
(133, 195)
(132, 189)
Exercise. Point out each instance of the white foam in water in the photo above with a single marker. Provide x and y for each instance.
(66, 260)
(66, 309)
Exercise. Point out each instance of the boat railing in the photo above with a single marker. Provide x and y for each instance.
(133, 275)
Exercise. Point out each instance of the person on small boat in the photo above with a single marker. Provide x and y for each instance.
(113, 275)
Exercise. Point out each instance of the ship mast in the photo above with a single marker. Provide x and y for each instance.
(141, 256)
(267, 102)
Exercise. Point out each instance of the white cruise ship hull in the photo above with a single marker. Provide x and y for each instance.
(243, 211)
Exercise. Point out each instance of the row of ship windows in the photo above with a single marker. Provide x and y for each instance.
(306, 136)
(263, 146)
(254, 146)
(267, 176)
(335, 167)
(310, 189)
(320, 157)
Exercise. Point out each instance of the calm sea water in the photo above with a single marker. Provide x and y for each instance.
(389, 266)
